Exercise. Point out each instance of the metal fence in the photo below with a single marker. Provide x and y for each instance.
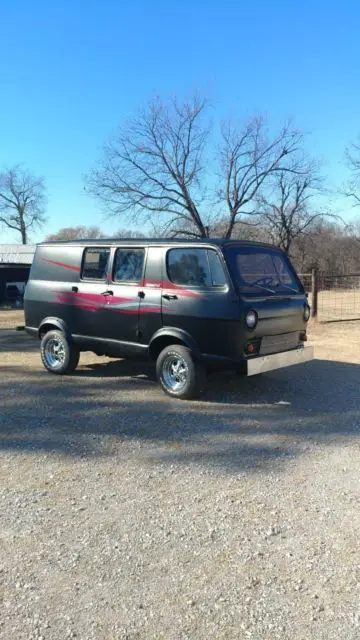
(333, 297)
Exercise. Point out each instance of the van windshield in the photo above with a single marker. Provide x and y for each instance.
(261, 269)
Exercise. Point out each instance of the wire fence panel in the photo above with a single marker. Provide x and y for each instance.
(306, 281)
(338, 296)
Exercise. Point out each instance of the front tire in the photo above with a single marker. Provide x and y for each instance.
(179, 374)
(58, 355)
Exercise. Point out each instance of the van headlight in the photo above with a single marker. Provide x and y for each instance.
(251, 319)
(306, 312)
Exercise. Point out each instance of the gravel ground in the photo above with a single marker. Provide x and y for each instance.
(127, 515)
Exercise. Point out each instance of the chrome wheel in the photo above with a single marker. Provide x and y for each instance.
(54, 353)
(175, 373)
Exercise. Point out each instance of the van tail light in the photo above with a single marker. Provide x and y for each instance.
(303, 336)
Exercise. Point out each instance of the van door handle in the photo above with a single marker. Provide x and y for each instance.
(141, 294)
(75, 289)
(107, 293)
(170, 296)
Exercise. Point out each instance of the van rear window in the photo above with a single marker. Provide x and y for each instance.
(95, 263)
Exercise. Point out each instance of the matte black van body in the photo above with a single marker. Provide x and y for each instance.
(229, 303)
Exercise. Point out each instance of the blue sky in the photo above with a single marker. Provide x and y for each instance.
(72, 71)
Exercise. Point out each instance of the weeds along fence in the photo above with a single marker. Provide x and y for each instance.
(333, 297)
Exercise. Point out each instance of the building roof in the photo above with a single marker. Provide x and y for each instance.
(17, 253)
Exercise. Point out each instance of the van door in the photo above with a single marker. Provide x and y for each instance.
(198, 298)
(150, 319)
(88, 294)
(123, 295)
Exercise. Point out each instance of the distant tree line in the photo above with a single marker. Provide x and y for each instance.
(326, 245)
(90, 233)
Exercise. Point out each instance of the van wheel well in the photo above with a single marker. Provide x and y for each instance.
(160, 343)
(45, 328)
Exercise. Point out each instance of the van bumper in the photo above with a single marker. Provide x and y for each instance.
(261, 364)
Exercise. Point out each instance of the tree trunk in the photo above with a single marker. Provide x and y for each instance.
(287, 244)
(23, 232)
(229, 230)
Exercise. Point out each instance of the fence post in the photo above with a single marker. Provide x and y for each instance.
(314, 293)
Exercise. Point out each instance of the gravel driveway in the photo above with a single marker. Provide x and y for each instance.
(127, 515)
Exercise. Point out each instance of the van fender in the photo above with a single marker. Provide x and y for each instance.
(57, 323)
(163, 337)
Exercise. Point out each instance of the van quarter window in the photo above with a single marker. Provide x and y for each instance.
(195, 267)
(128, 266)
(95, 263)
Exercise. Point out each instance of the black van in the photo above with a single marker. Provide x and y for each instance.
(189, 306)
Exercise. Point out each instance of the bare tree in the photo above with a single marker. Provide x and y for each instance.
(128, 233)
(76, 233)
(249, 159)
(328, 246)
(22, 201)
(353, 230)
(154, 168)
(285, 208)
(158, 169)
(352, 156)
(243, 230)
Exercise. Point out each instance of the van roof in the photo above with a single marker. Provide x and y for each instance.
(156, 241)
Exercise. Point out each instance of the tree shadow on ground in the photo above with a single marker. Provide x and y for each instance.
(12, 340)
(241, 424)
(117, 369)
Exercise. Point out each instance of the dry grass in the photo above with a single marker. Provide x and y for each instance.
(338, 305)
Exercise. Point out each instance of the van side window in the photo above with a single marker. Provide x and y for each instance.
(195, 267)
(95, 263)
(128, 265)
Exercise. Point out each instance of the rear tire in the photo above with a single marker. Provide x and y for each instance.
(58, 355)
(179, 374)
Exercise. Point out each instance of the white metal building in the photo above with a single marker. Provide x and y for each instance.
(15, 263)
